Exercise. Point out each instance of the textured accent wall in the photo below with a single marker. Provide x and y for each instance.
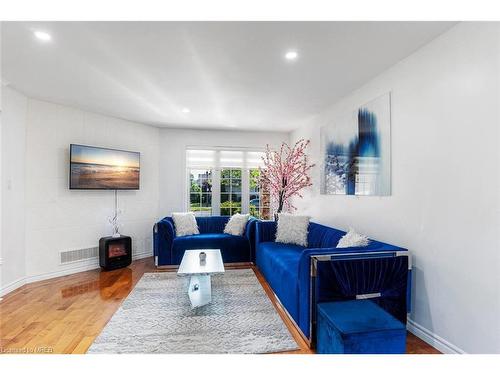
(57, 218)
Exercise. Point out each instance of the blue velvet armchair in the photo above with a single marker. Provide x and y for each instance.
(169, 249)
(301, 276)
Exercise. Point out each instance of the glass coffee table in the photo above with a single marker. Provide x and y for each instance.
(200, 285)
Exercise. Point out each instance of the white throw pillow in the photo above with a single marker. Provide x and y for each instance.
(292, 229)
(236, 224)
(353, 239)
(185, 223)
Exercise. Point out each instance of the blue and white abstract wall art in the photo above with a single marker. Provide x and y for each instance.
(356, 151)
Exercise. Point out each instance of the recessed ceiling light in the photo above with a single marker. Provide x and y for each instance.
(291, 55)
(42, 35)
(185, 110)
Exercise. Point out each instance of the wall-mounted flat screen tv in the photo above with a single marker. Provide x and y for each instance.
(103, 168)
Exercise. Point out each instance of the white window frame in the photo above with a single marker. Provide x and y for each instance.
(216, 169)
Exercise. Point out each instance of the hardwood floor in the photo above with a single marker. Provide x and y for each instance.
(65, 314)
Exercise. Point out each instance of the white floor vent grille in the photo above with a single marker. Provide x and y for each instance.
(76, 255)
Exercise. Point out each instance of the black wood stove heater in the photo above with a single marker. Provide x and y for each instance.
(115, 252)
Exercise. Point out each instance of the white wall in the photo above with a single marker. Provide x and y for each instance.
(173, 143)
(62, 219)
(14, 110)
(1, 181)
(445, 184)
(42, 217)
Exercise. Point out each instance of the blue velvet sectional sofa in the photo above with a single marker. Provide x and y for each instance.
(303, 277)
(169, 249)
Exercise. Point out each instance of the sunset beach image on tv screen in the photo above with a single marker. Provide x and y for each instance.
(102, 168)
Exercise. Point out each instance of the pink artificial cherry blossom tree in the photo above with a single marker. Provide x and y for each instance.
(285, 174)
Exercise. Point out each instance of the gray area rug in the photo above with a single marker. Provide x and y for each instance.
(157, 318)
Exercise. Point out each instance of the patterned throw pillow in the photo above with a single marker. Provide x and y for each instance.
(353, 239)
(292, 229)
(185, 223)
(236, 224)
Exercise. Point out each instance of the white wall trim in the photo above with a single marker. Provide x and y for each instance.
(10, 287)
(432, 339)
(68, 271)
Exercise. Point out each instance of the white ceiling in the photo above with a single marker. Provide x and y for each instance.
(231, 75)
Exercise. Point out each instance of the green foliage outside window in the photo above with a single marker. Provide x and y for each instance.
(200, 191)
(231, 193)
(254, 180)
(195, 188)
